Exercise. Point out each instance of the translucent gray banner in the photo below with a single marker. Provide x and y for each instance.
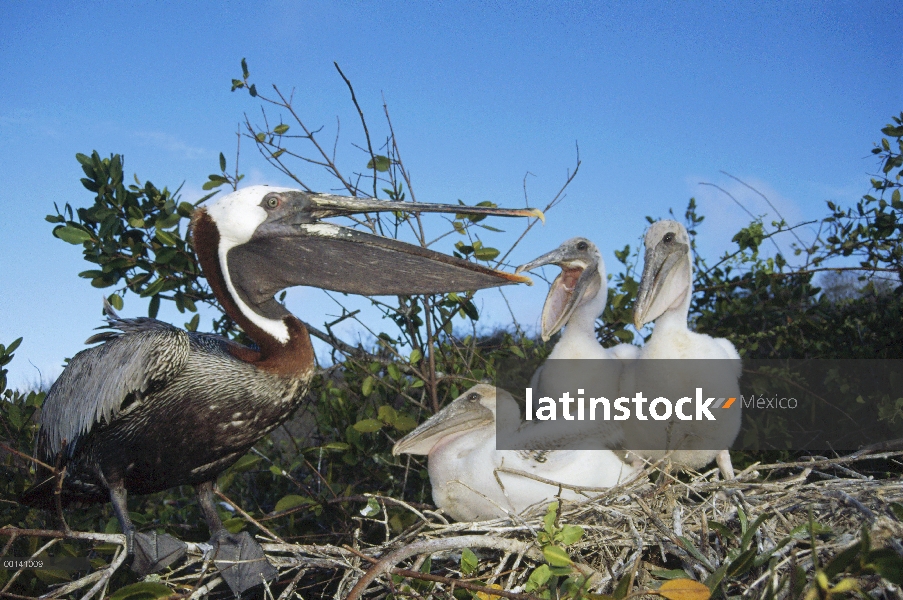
(753, 405)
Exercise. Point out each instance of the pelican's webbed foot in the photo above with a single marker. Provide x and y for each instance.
(154, 552)
(240, 560)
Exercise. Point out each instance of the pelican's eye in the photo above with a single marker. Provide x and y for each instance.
(272, 201)
(473, 397)
(669, 237)
(582, 245)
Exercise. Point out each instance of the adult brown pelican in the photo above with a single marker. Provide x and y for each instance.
(154, 406)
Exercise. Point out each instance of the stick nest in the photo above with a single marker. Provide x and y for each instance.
(646, 531)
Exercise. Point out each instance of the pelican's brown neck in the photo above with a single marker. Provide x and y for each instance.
(290, 357)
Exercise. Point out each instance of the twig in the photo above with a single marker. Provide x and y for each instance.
(463, 584)
(440, 545)
(27, 457)
(248, 517)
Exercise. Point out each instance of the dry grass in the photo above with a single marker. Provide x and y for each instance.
(633, 530)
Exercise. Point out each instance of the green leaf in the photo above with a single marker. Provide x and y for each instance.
(669, 573)
(386, 414)
(73, 235)
(538, 578)
(371, 509)
(367, 386)
(888, 564)
(368, 425)
(291, 501)
(246, 463)
(415, 357)
(404, 423)
(842, 560)
(380, 163)
(689, 547)
(570, 534)
(280, 129)
(143, 590)
(336, 446)
(394, 372)
(234, 525)
(548, 520)
(166, 238)
(222, 162)
(469, 561)
(244, 68)
(557, 556)
(153, 307)
(742, 564)
(751, 531)
(486, 253)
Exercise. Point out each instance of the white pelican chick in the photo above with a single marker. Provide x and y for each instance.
(664, 296)
(460, 441)
(577, 297)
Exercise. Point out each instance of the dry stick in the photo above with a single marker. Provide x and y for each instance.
(378, 564)
(204, 589)
(75, 585)
(27, 457)
(8, 545)
(764, 197)
(109, 538)
(432, 546)
(729, 195)
(574, 487)
(431, 356)
(670, 534)
(363, 122)
(558, 198)
(310, 136)
(293, 584)
(117, 562)
(19, 572)
(17, 596)
(829, 461)
(244, 514)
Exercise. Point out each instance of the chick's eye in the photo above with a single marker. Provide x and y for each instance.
(669, 237)
(272, 201)
(473, 397)
(582, 246)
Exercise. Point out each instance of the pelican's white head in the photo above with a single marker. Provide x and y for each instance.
(472, 411)
(667, 279)
(581, 286)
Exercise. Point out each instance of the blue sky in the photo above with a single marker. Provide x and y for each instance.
(789, 97)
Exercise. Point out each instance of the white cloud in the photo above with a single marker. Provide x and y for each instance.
(174, 145)
(728, 209)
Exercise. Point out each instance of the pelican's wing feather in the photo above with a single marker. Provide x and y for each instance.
(134, 356)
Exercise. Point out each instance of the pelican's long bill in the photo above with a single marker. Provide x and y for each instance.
(578, 271)
(292, 247)
(328, 205)
(666, 266)
(463, 415)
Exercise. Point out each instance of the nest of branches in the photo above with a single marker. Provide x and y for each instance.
(809, 528)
